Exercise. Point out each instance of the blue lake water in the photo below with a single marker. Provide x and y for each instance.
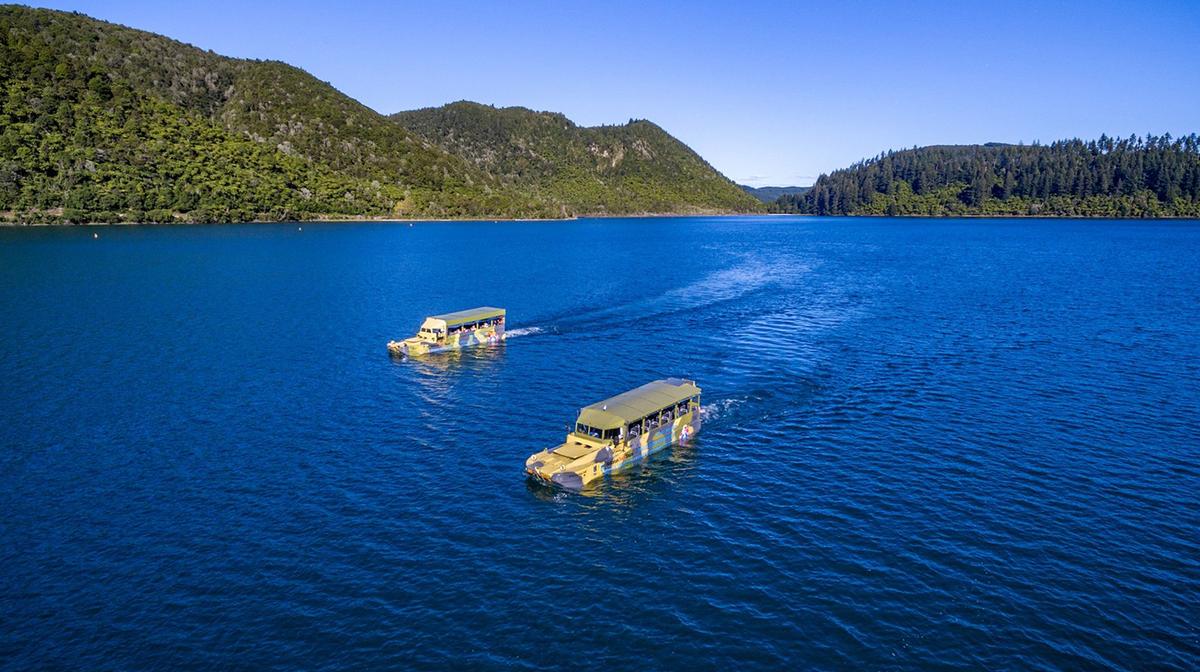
(928, 444)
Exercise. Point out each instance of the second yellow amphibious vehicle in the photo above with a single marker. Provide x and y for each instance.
(451, 331)
(619, 431)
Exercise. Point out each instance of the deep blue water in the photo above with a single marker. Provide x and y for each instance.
(929, 444)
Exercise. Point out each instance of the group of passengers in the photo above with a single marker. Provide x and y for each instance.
(656, 420)
(632, 431)
(477, 325)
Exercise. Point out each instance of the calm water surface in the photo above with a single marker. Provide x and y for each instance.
(928, 444)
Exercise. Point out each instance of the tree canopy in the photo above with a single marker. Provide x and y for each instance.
(1154, 176)
(99, 122)
(628, 168)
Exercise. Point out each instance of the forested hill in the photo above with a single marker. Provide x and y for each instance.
(631, 168)
(771, 194)
(104, 123)
(99, 122)
(1134, 177)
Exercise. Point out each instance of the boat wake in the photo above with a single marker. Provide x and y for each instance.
(720, 408)
(729, 284)
(523, 331)
(718, 287)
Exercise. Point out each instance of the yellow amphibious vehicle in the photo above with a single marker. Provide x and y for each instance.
(619, 431)
(451, 331)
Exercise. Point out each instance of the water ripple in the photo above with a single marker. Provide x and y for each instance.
(926, 444)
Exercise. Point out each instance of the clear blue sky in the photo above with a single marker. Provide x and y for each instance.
(768, 92)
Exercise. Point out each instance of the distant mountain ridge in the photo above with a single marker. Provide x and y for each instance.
(629, 168)
(106, 123)
(1155, 176)
(771, 194)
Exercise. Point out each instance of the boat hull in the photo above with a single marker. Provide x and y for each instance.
(464, 339)
(580, 473)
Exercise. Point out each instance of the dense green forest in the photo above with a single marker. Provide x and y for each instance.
(104, 123)
(630, 168)
(772, 194)
(1155, 176)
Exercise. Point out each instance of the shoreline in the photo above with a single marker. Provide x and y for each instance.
(396, 220)
(5, 224)
(982, 216)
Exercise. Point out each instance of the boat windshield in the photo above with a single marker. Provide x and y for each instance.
(596, 433)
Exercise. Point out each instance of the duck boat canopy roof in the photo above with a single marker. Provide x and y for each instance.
(451, 320)
(637, 403)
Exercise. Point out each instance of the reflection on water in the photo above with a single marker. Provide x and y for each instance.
(475, 357)
(626, 486)
(436, 379)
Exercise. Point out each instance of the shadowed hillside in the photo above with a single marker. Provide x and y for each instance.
(771, 194)
(107, 123)
(631, 168)
(99, 122)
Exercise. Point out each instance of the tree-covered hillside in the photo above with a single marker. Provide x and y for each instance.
(1134, 177)
(102, 123)
(772, 194)
(635, 167)
(99, 122)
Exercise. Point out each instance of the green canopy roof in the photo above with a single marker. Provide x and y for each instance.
(472, 315)
(637, 403)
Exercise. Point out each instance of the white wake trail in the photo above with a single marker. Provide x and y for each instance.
(523, 331)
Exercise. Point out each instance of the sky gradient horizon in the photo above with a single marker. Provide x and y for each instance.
(770, 93)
